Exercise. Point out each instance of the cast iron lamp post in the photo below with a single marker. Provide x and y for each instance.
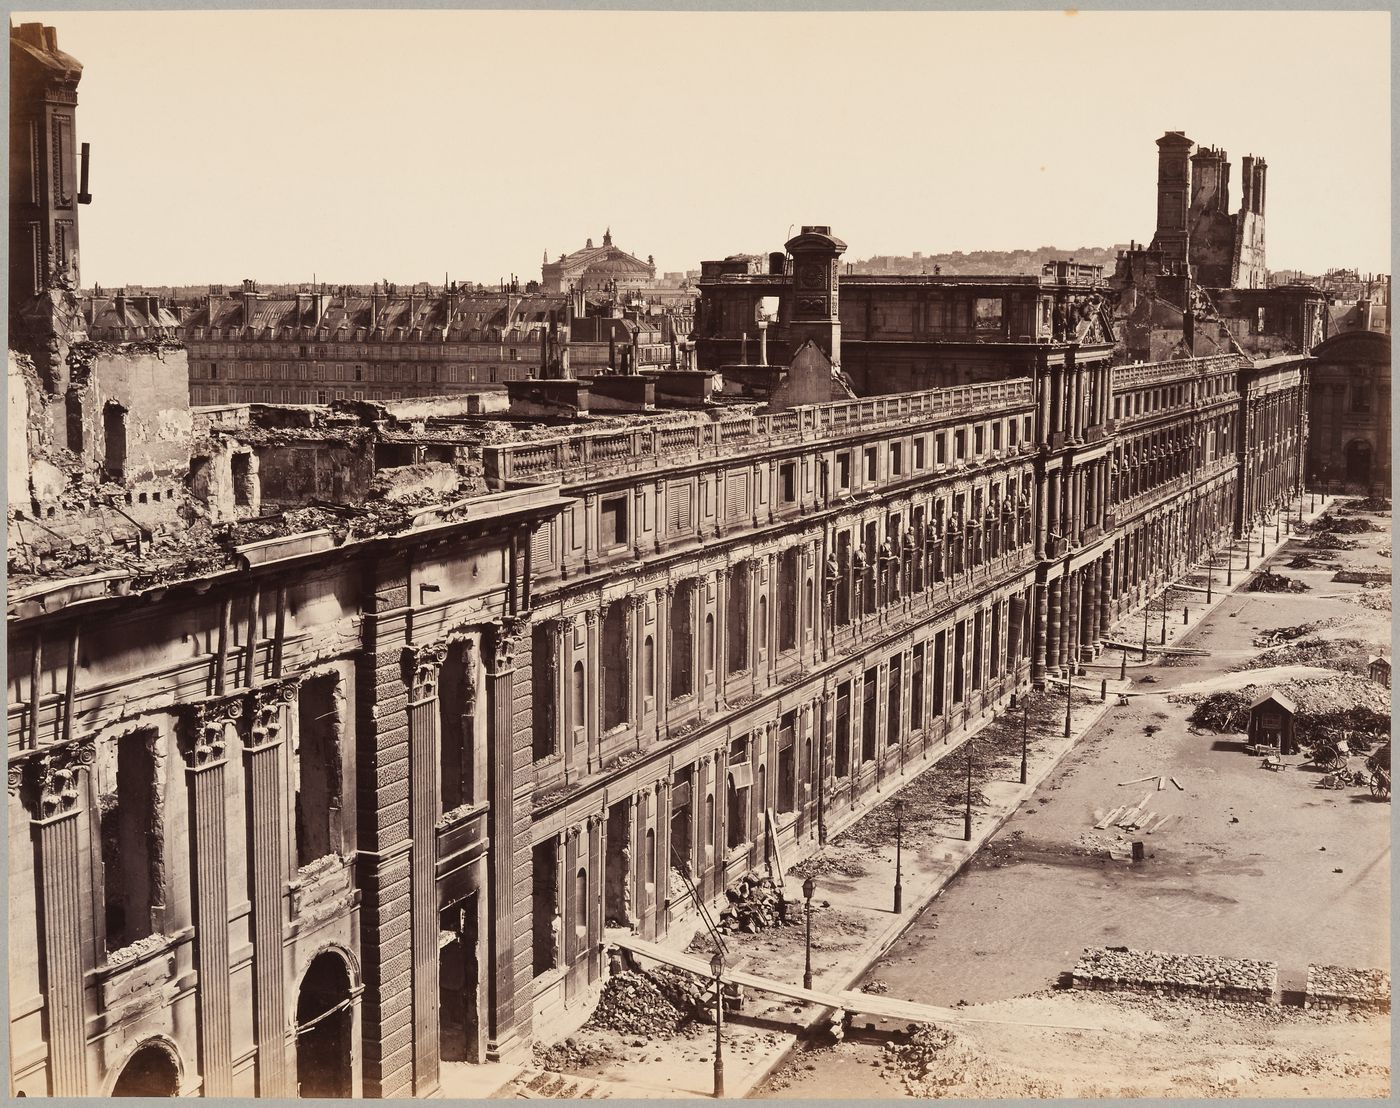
(1025, 727)
(809, 887)
(717, 968)
(898, 855)
(967, 809)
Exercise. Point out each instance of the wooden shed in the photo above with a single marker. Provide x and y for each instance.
(1271, 722)
(1379, 669)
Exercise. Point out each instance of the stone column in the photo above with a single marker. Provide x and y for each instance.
(1053, 481)
(207, 728)
(422, 667)
(262, 757)
(510, 843)
(52, 788)
(593, 705)
(1057, 400)
(1105, 594)
(1054, 603)
(1089, 618)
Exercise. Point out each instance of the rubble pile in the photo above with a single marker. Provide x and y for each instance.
(1324, 541)
(1223, 712)
(1344, 525)
(632, 1003)
(1343, 655)
(1245, 980)
(1267, 581)
(1283, 634)
(1369, 504)
(1378, 600)
(1361, 577)
(936, 1063)
(1332, 987)
(754, 905)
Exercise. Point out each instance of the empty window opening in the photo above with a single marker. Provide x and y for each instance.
(895, 705)
(916, 689)
(896, 459)
(617, 873)
(548, 924)
(737, 618)
(682, 847)
(242, 469)
(544, 668)
(940, 666)
(682, 652)
(869, 717)
(457, 726)
(133, 861)
(75, 422)
(151, 1071)
(709, 643)
(789, 567)
(843, 730)
(648, 667)
(616, 662)
(872, 465)
(114, 441)
(978, 622)
(389, 455)
(959, 660)
(787, 772)
(843, 471)
(612, 523)
(787, 476)
(317, 765)
(995, 654)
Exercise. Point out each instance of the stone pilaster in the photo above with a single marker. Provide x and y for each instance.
(267, 878)
(205, 741)
(422, 669)
(52, 790)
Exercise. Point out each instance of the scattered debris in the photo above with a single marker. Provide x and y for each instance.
(1343, 525)
(755, 903)
(1150, 971)
(1267, 581)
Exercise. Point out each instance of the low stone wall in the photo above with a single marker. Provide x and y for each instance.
(1334, 987)
(1118, 969)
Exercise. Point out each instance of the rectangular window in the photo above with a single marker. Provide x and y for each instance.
(132, 851)
(787, 479)
(612, 522)
(896, 459)
(872, 465)
(317, 768)
(920, 452)
(843, 471)
(940, 448)
(979, 440)
(960, 445)
(996, 436)
(680, 507)
(916, 689)
(736, 507)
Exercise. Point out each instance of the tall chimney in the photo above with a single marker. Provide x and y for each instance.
(1247, 183)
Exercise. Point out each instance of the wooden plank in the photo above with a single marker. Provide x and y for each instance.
(1134, 781)
(1178, 784)
(1127, 817)
(1102, 825)
(1161, 783)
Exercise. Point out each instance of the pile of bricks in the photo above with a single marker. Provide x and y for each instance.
(1333, 988)
(1242, 980)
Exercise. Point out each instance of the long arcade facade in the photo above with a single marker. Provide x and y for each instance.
(347, 814)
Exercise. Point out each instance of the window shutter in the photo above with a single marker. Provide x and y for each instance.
(680, 502)
(737, 497)
(541, 543)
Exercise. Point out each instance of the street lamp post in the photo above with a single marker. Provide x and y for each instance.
(717, 968)
(1166, 599)
(809, 887)
(898, 855)
(1210, 573)
(1123, 669)
(967, 807)
(1025, 729)
(1146, 615)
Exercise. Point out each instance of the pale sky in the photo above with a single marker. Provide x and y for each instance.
(361, 145)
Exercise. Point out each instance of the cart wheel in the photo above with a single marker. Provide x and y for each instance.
(1380, 786)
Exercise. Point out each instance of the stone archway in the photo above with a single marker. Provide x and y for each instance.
(151, 1071)
(1358, 462)
(324, 1027)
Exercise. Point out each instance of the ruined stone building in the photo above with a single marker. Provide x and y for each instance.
(1201, 286)
(340, 735)
(895, 332)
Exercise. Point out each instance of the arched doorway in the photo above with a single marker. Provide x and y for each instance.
(324, 1029)
(151, 1071)
(1358, 462)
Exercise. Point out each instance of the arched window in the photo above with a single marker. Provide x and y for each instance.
(763, 623)
(649, 666)
(709, 643)
(651, 857)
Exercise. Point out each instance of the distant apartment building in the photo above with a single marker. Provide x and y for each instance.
(318, 347)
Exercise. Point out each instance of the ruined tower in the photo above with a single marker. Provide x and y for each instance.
(1173, 197)
(815, 310)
